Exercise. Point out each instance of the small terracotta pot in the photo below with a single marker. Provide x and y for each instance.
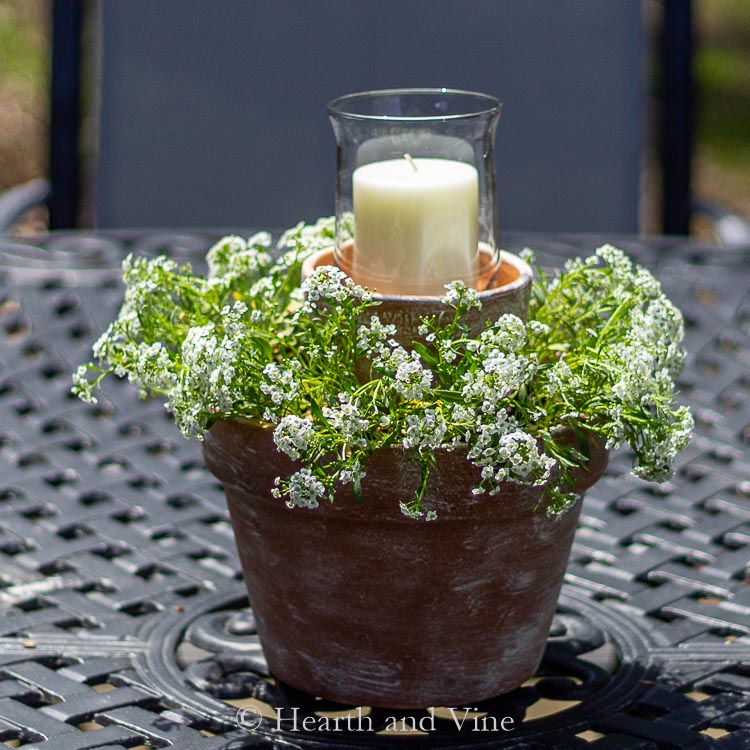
(503, 288)
(359, 604)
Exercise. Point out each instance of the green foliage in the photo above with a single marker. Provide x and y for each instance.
(599, 354)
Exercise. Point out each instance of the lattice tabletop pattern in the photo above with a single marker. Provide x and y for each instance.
(124, 622)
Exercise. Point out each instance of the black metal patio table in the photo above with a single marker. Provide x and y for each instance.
(123, 618)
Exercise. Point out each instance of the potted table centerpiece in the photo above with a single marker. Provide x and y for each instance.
(403, 469)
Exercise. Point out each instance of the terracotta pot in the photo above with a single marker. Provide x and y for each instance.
(504, 288)
(359, 604)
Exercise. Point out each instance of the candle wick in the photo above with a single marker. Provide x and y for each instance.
(411, 161)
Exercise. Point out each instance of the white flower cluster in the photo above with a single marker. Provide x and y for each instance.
(150, 366)
(561, 381)
(347, 420)
(629, 383)
(425, 430)
(126, 327)
(208, 382)
(502, 370)
(233, 257)
(663, 444)
(82, 386)
(508, 334)
(459, 295)
(414, 512)
(616, 259)
(352, 473)
(292, 435)
(371, 339)
(311, 237)
(232, 319)
(303, 489)
(508, 457)
(406, 373)
(280, 384)
(144, 276)
(331, 285)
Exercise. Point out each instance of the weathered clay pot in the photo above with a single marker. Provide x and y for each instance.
(503, 288)
(357, 603)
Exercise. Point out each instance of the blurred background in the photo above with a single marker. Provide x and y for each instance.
(721, 105)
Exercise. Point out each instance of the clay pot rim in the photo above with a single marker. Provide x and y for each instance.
(325, 257)
(219, 446)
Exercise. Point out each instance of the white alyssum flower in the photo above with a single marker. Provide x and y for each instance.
(347, 420)
(145, 275)
(513, 457)
(459, 295)
(408, 376)
(353, 473)
(82, 386)
(507, 334)
(662, 445)
(234, 257)
(616, 260)
(537, 328)
(484, 438)
(292, 435)
(373, 338)
(331, 285)
(208, 376)
(561, 381)
(232, 318)
(304, 489)
(280, 382)
(499, 376)
(411, 378)
(317, 236)
(425, 430)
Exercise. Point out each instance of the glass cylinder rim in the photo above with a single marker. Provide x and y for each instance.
(336, 106)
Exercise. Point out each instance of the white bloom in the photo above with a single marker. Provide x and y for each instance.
(447, 351)
(372, 339)
(513, 457)
(313, 237)
(292, 435)
(232, 318)
(646, 283)
(207, 383)
(508, 333)
(348, 421)
(458, 294)
(425, 431)
(500, 375)
(145, 277)
(233, 257)
(331, 285)
(562, 382)
(353, 474)
(280, 383)
(410, 379)
(537, 328)
(658, 451)
(82, 386)
(616, 259)
(303, 489)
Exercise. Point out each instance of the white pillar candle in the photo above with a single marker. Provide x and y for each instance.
(416, 225)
